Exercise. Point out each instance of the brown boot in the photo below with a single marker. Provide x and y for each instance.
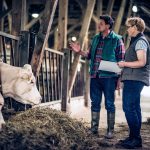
(95, 116)
(110, 124)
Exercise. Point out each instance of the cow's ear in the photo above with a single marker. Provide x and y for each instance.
(27, 67)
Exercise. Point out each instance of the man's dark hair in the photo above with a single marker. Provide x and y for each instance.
(108, 20)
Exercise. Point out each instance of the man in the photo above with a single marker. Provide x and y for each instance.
(105, 46)
(134, 76)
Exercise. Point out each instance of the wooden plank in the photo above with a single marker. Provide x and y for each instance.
(42, 37)
(9, 36)
(119, 16)
(62, 24)
(83, 33)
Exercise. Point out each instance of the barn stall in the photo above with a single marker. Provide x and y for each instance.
(61, 75)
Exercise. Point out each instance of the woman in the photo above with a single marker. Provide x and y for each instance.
(135, 75)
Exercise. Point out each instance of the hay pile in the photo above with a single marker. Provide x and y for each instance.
(45, 129)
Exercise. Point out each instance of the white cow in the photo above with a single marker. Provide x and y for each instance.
(19, 84)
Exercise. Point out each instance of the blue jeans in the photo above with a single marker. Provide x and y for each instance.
(106, 86)
(131, 106)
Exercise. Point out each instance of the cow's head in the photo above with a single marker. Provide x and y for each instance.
(25, 90)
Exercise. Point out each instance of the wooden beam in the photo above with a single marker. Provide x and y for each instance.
(83, 33)
(42, 37)
(24, 14)
(82, 7)
(118, 21)
(16, 17)
(23, 48)
(99, 11)
(16, 25)
(62, 24)
(1, 10)
(146, 10)
(33, 21)
(86, 77)
(110, 7)
(56, 38)
(72, 28)
(1, 26)
(5, 13)
(127, 40)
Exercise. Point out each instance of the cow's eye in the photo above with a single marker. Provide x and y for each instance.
(32, 82)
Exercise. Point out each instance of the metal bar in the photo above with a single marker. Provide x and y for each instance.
(4, 49)
(54, 51)
(9, 36)
(55, 84)
(11, 53)
(57, 73)
(43, 89)
(50, 76)
(47, 80)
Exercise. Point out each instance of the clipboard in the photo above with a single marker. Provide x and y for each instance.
(109, 66)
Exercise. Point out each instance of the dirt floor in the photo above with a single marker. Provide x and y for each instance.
(45, 129)
(49, 128)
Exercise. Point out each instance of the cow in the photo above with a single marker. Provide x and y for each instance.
(18, 83)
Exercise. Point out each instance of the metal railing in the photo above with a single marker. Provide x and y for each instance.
(49, 81)
(7, 45)
(50, 78)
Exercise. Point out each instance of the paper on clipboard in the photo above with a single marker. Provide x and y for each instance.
(109, 66)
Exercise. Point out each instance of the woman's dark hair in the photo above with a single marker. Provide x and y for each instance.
(108, 20)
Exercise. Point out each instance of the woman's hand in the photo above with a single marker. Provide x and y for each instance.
(121, 64)
(75, 47)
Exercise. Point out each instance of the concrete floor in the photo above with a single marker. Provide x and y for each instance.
(76, 109)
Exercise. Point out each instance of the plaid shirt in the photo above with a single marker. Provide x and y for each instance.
(119, 52)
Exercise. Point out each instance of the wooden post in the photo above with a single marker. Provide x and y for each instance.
(65, 78)
(24, 14)
(16, 25)
(1, 20)
(127, 41)
(120, 16)
(83, 33)
(1, 25)
(62, 24)
(110, 7)
(87, 78)
(23, 48)
(99, 11)
(42, 37)
(16, 17)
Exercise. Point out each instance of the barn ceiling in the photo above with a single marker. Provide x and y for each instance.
(76, 13)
